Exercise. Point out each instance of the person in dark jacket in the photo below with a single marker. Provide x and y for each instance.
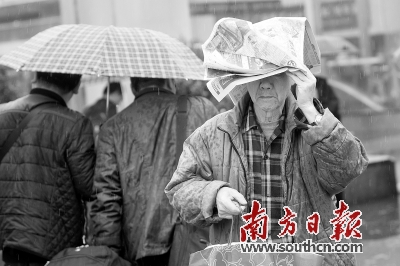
(327, 96)
(135, 161)
(97, 112)
(46, 174)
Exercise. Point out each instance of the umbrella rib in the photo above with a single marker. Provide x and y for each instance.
(99, 70)
(121, 55)
(183, 66)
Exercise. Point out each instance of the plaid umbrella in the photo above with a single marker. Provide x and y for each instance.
(106, 51)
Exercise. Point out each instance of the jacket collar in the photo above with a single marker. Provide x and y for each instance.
(233, 123)
(152, 90)
(49, 94)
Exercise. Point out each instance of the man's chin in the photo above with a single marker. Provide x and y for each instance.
(267, 104)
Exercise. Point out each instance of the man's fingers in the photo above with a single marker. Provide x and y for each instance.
(309, 73)
(229, 203)
(301, 79)
(295, 78)
(227, 208)
(238, 197)
(305, 77)
(310, 76)
(299, 75)
(234, 208)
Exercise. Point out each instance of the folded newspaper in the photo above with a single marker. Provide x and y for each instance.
(238, 52)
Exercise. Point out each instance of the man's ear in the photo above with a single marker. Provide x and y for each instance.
(76, 89)
(172, 85)
(34, 78)
(133, 90)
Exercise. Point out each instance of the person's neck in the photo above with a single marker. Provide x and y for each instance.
(51, 87)
(268, 120)
(267, 117)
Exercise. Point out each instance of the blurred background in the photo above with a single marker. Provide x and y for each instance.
(360, 47)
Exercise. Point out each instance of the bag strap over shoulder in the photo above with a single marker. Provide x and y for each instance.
(14, 135)
(181, 124)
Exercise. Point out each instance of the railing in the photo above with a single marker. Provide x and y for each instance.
(362, 97)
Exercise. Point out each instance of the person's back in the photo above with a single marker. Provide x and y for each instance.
(136, 159)
(45, 174)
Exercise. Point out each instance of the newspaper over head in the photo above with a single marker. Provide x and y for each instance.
(238, 52)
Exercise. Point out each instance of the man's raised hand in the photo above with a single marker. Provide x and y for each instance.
(305, 91)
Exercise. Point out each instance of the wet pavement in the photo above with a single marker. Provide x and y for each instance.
(381, 232)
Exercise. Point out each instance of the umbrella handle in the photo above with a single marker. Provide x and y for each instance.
(108, 96)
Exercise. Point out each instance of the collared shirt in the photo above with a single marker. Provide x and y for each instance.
(264, 157)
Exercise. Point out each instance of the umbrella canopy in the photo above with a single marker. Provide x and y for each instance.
(332, 45)
(106, 51)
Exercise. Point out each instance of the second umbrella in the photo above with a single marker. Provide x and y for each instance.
(106, 51)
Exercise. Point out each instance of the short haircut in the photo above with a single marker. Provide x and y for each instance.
(65, 82)
(137, 83)
(115, 87)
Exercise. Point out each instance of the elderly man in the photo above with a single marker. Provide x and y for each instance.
(272, 148)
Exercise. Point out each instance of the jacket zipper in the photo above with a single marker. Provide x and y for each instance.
(240, 159)
(289, 196)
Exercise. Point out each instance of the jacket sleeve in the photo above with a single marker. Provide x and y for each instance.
(107, 208)
(81, 157)
(192, 190)
(340, 157)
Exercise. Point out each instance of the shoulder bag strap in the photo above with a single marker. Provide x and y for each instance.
(14, 135)
(181, 124)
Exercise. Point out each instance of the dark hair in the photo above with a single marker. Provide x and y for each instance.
(115, 87)
(65, 82)
(137, 83)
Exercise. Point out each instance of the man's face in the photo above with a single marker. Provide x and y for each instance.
(270, 93)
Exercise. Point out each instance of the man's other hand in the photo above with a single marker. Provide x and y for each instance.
(230, 202)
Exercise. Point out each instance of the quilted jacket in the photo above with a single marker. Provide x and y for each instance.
(135, 161)
(317, 163)
(44, 176)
